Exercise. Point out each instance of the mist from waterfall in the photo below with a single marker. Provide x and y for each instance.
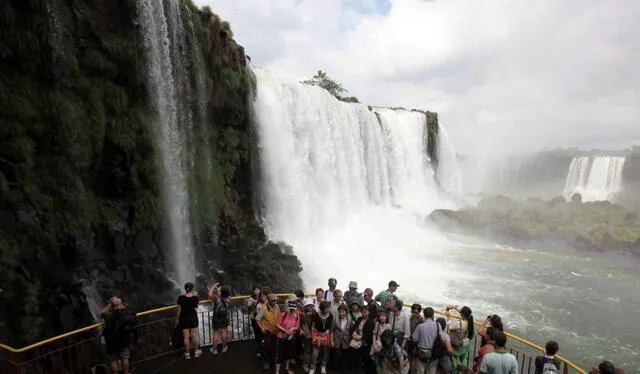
(345, 184)
(169, 88)
(449, 174)
(594, 178)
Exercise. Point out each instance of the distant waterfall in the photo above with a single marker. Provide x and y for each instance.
(595, 178)
(169, 89)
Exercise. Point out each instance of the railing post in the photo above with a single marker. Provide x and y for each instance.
(566, 369)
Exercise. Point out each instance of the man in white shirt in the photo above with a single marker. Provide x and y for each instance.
(328, 294)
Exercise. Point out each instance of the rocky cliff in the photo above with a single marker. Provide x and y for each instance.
(80, 206)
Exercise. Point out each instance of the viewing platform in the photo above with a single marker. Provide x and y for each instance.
(82, 351)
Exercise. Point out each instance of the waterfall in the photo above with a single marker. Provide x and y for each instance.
(595, 178)
(449, 174)
(339, 180)
(164, 51)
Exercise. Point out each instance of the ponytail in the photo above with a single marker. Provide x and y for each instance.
(467, 313)
(470, 328)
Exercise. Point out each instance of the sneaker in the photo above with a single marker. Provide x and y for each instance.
(224, 348)
(305, 367)
(266, 366)
(214, 351)
(323, 370)
(312, 371)
(197, 353)
(187, 356)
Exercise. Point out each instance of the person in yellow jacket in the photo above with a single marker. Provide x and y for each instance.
(269, 327)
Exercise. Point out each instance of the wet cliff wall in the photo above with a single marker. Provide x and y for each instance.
(80, 207)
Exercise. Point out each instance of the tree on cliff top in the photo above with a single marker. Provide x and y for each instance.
(321, 79)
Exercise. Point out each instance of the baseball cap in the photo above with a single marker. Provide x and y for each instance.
(393, 284)
(368, 291)
(353, 284)
(272, 297)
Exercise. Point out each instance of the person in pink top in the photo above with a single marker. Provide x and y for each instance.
(288, 326)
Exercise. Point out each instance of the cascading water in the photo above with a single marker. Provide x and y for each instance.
(162, 32)
(347, 187)
(594, 178)
(449, 174)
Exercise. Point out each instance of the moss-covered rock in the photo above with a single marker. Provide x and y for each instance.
(79, 183)
(600, 226)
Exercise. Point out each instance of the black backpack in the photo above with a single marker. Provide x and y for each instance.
(221, 310)
(121, 328)
(438, 350)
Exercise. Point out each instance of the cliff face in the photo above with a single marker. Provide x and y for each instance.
(80, 207)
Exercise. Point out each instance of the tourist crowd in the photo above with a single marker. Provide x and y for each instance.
(344, 331)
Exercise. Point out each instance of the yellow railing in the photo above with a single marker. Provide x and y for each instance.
(170, 307)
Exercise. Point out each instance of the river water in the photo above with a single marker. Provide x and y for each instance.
(587, 302)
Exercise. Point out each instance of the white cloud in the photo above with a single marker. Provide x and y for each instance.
(502, 74)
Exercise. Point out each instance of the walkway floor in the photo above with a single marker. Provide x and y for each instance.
(239, 359)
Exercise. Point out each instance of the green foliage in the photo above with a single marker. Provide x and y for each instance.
(321, 79)
(350, 99)
(594, 225)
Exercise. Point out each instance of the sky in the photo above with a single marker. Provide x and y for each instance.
(502, 74)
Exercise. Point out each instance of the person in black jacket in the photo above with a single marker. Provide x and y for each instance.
(363, 330)
(119, 333)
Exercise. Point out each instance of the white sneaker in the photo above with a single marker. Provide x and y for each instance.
(312, 371)
(197, 353)
(224, 348)
(305, 367)
(323, 370)
(187, 356)
(214, 351)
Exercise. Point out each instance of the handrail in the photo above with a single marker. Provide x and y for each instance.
(241, 297)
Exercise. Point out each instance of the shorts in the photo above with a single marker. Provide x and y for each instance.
(220, 324)
(188, 322)
(284, 348)
(115, 354)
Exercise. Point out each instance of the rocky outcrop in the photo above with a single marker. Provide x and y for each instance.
(80, 211)
(597, 226)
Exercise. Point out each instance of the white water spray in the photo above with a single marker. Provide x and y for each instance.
(163, 90)
(449, 174)
(347, 190)
(595, 178)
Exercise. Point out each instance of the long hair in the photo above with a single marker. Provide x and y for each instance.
(466, 313)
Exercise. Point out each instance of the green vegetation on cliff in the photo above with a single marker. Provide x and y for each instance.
(600, 226)
(80, 183)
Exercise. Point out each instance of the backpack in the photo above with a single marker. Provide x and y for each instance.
(121, 328)
(221, 310)
(438, 350)
(457, 338)
(550, 368)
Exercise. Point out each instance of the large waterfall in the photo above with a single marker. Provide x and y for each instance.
(169, 89)
(346, 186)
(595, 178)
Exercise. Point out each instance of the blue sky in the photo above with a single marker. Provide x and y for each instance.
(370, 6)
(502, 74)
